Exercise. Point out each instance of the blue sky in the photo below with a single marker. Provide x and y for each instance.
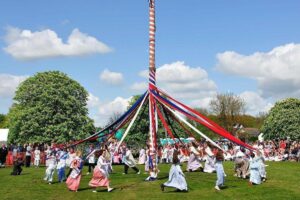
(250, 48)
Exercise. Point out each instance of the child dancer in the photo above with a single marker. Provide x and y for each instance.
(219, 170)
(129, 162)
(73, 180)
(37, 157)
(176, 176)
(100, 175)
(51, 168)
(255, 178)
(62, 157)
(194, 159)
(210, 159)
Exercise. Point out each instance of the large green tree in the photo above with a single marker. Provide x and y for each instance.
(283, 120)
(49, 107)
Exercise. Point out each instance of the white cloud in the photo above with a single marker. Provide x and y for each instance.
(9, 84)
(112, 78)
(139, 86)
(93, 101)
(102, 111)
(118, 105)
(276, 72)
(183, 81)
(255, 103)
(29, 45)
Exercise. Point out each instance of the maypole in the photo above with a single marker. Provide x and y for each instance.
(152, 87)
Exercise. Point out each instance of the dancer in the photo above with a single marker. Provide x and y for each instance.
(61, 165)
(51, 168)
(71, 157)
(194, 159)
(142, 157)
(100, 175)
(255, 178)
(209, 166)
(129, 162)
(108, 159)
(241, 165)
(37, 157)
(262, 166)
(219, 170)
(73, 180)
(176, 176)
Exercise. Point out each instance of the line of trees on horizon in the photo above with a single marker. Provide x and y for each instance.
(50, 106)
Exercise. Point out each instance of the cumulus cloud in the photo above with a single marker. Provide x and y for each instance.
(30, 45)
(139, 87)
(276, 72)
(93, 101)
(101, 111)
(112, 78)
(182, 81)
(255, 103)
(9, 84)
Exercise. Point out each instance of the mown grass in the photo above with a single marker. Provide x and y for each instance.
(283, 183)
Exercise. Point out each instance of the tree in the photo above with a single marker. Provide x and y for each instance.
(283, 120)
(227, 107)
(50, 107)
(139, 132)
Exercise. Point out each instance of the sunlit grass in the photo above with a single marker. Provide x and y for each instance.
(283, 183)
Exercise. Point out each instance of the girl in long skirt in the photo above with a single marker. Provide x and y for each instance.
(176, 176)
(142, 157)
(51, 168)
(73, 180)
(255, 178)
(219, 170)
(209, 166)
(262, 166)
(100, 175)
(194, 159)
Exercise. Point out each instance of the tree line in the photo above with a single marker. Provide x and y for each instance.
(51, 107)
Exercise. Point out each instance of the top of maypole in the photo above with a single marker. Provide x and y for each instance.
(152, 29)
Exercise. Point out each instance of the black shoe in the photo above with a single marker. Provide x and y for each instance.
(162, 187)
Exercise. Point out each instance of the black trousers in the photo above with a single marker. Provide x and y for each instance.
(27, 161)
(91, 165)
(126, 167)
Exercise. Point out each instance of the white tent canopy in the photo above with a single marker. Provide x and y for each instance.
(3, 135)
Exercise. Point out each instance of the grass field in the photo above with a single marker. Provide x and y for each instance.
(283, 183)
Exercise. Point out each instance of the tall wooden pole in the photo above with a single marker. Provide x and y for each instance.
(152, 86)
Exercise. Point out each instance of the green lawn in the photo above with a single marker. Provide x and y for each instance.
(283, 183)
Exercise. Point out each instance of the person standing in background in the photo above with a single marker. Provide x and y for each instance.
(91, 159)
(37, 157)
(28, 155)
(3, 154)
